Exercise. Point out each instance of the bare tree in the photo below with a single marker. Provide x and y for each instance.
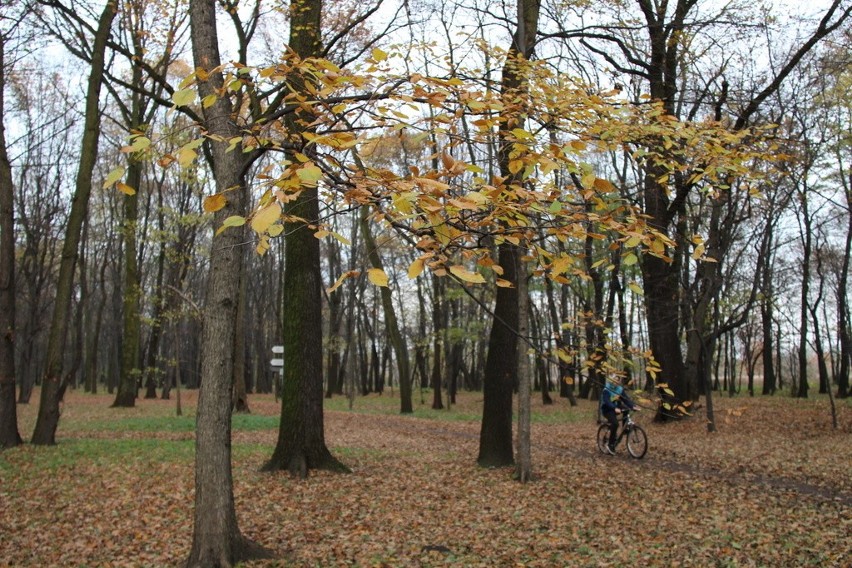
(53, 386)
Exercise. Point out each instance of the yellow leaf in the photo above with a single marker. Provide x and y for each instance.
(264, 218)
(377, 277)
(603, 185)
(232, 221)
(379, 55)
(340, 280)
(186, 156)
(208, 102)
(466, 275)
(262, 246)
(125, 189)
(137, 144)
(310, 174)
(183, 97)
(630, 259)
(341, 238)
(416, 268)
(114, 176)
(213, 203)
(502, 283)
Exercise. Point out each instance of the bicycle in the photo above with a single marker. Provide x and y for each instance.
(637, 440)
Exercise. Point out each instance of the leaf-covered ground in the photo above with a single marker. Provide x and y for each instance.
(771, 488)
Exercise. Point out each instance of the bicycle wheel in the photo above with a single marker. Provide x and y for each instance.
(637, 442)
(603, 438)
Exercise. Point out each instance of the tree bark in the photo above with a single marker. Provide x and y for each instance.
(843, 323)
(240, 398)
(439, 325)
(802, 390)
(301, 437)
(52, 387)
(9, 435)
(524, 468)
(501, 364)
(128, 384)
(216, 539)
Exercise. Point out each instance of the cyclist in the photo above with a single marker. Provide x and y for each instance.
(613, 402)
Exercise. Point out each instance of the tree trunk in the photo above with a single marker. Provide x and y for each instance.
(154, 372)
(439, 324)
(766, 313)
(301, 437)
(802, 391)
(501, 364)
(128, 384)
(397, 339)
(52, 387)
(523, 470)
(240, 398)
(9, 435)
(216, 539)
(843, 323)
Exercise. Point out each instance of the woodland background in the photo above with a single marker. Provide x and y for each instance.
(442, 198)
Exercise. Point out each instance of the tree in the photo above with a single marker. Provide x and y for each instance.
(396, 337)
(142, 38)
(658, 60)
(9, 435)
(495, 437)
(216, 539)
(53, 385)
(301, 437)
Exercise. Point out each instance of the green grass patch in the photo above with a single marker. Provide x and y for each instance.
(468, 409)
(142, 424)
(70, 453)
(241, 422)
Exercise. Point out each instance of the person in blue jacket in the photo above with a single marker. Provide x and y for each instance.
(613, 402)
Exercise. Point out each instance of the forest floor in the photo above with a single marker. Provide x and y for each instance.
(772, 487)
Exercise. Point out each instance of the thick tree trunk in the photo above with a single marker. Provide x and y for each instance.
(240, 398)
(9, 435)
(52, 387)
(501, 364)
(301, 437)
(128, 385)
(662, 297)
(216, 539)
